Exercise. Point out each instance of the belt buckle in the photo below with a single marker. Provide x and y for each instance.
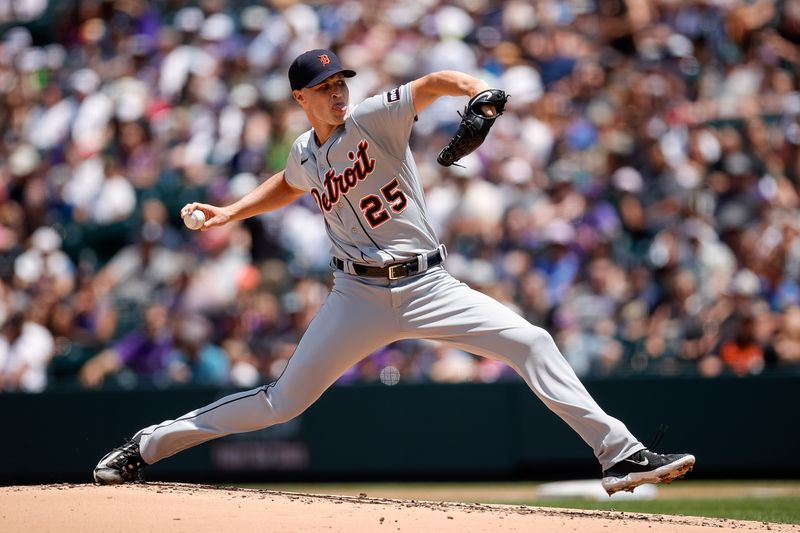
(392, 275)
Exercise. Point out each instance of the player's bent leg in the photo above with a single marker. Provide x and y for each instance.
(447, 310)
(353, 322)
(533, 354)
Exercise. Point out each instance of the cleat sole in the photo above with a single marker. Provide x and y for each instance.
(669, 474)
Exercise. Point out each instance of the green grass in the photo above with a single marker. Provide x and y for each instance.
(772, 509)
(761, 501)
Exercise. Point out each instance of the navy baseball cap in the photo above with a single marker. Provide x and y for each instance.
(313, 67)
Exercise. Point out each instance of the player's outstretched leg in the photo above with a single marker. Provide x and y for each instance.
(643, 467)
(335, 340)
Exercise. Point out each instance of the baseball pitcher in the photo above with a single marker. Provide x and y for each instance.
(357, 166)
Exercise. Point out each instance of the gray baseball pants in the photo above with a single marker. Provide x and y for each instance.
(362, 314)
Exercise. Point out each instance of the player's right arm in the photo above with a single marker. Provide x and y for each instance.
(274, 193)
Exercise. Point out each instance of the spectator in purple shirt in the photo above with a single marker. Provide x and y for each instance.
(145, 352)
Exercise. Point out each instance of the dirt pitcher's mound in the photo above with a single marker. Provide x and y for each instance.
(201, 509)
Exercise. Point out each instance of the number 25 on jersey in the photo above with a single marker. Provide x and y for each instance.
(372, 205)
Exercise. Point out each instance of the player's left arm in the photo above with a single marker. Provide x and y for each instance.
(427, 89)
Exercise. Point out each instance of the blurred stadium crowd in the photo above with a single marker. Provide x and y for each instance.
(639, 198)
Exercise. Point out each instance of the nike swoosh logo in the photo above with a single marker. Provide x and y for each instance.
(303, 161)
(640, 463)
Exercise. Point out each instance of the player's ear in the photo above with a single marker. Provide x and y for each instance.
(298, 96)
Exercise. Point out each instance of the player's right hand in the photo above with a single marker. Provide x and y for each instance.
(215, 216)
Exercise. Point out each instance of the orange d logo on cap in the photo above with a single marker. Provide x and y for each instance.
(324, 59)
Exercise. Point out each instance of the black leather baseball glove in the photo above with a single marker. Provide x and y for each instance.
(474, 127)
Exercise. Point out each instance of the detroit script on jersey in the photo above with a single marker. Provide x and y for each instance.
(335, 184)
(366, 184)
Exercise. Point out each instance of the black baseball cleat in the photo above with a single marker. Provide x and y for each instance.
(645, 466)
(121, 465)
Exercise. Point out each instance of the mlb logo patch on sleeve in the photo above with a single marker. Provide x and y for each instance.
(393, 95)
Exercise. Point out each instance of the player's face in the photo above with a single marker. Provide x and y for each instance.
(326, 102)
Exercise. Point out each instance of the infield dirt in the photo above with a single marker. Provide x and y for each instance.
(172, 507)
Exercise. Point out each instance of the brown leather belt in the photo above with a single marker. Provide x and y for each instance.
(392, 272)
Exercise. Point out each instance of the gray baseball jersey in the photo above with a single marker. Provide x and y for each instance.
(365, 182)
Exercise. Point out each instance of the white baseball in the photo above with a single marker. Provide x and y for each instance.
(195, 219)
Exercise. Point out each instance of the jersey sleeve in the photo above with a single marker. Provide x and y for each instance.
(294, 174)
(387, 118)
